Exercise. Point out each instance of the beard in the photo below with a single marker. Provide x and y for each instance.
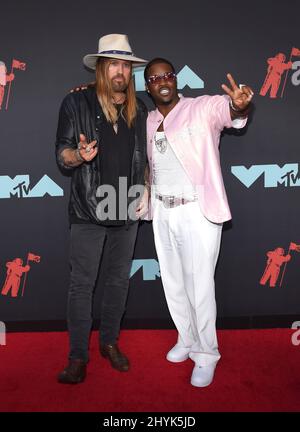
(120, 85)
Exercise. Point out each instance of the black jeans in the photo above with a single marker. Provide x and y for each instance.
(87, 245)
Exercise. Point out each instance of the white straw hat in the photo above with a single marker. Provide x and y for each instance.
(113, 46)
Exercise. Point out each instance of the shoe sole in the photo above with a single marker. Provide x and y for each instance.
(178, 360)
(198, 385)
(80, 380)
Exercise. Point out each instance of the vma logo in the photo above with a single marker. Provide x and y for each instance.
(19, 187)
(186, 77)
(150, 268)
(274, 176)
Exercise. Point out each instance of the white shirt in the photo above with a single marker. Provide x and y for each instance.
(169, 176)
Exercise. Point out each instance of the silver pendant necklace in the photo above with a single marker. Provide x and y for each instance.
(115, 125)
(161, 144)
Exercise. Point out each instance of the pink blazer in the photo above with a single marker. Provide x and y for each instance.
(193, 129)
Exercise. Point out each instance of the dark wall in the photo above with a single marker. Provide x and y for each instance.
(211, 38)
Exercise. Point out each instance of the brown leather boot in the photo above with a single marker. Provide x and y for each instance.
(118, 360)
(74, 373)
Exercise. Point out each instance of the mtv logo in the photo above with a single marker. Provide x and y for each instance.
(273, 175)
(19, 187)
(186, 77)
(150, 268)
(2, 333)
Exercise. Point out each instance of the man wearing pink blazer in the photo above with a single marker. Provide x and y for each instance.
(189, 205)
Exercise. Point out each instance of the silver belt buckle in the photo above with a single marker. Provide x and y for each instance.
(169, 201)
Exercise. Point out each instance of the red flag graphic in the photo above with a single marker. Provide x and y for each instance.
(295, 247)
(295, 52)
(32, 257)
(16, 64)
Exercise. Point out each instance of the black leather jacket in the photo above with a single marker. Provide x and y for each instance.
(78, 116)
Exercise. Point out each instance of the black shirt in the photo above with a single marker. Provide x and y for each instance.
(115, 155)
(115, 152)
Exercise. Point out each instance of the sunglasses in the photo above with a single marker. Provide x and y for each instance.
(157, 79)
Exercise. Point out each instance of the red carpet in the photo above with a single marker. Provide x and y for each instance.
(259, 371)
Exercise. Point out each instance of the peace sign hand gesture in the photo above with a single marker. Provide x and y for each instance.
(241, 95)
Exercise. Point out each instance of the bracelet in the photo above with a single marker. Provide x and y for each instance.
(78, 156)
(233, 108)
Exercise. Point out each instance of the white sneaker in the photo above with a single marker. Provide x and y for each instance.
(203, 376)
(178, 354)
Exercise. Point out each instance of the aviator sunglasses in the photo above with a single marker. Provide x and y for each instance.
(157, 79)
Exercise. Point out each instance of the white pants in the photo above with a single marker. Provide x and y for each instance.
(187, 246)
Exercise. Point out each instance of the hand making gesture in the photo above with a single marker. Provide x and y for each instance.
(240, 95)
(87, 150)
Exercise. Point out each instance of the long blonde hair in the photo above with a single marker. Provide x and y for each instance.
(104, 92)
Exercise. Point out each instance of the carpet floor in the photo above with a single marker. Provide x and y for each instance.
(259, 371)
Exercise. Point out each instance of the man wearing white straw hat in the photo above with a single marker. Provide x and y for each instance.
(101, 138)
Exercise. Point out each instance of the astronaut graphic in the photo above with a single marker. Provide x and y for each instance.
(276, 68)
(8, 78)
(4, 79)
(15, 270)
(275, 260)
